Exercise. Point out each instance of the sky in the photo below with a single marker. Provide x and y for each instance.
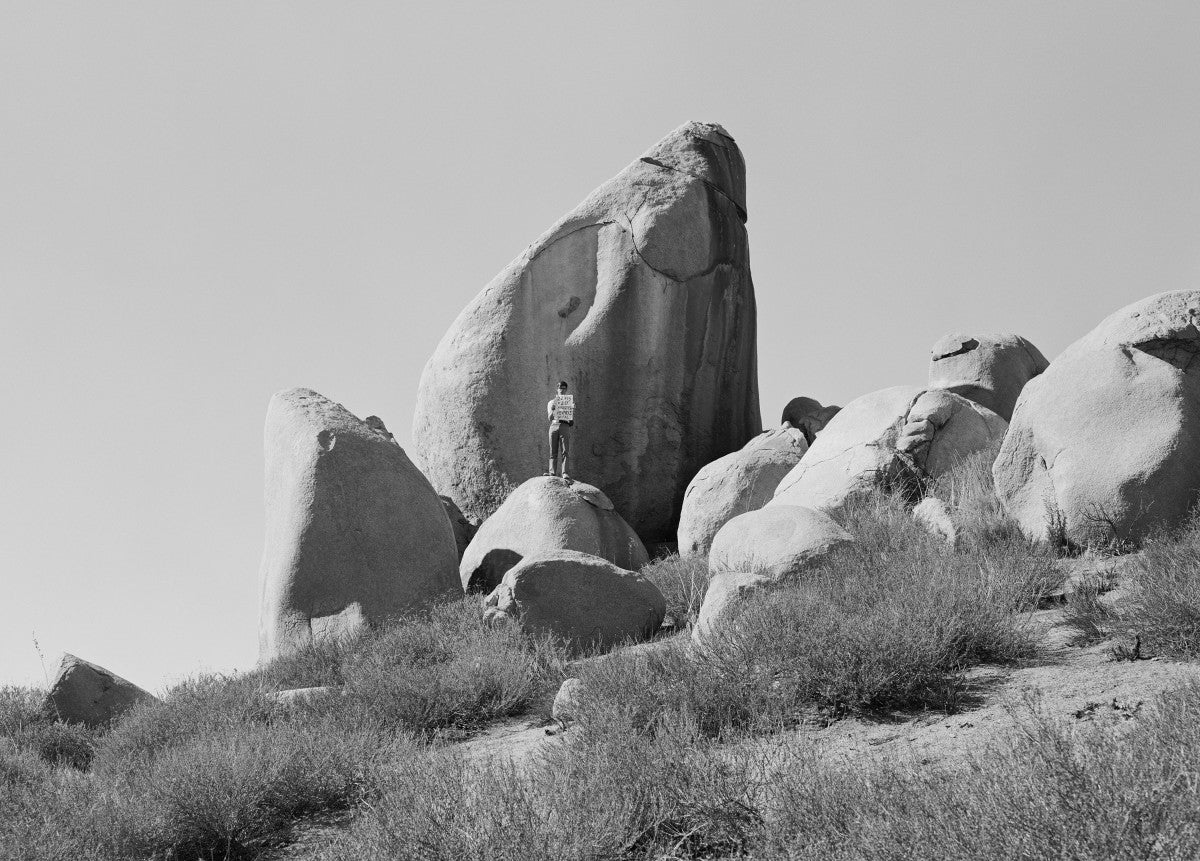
(204, 203)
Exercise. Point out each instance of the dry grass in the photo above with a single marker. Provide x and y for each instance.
(221, 770)
(682, 582)
(1049, 791)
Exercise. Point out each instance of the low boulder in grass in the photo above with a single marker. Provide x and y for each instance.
(933, 515)
(581, 600)
(741, 481)
(86, 693)
(727, 591)
(566, 701)
(898, 438)
(779, 541)
(544, 515)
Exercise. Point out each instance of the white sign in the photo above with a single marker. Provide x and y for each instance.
(564, 408)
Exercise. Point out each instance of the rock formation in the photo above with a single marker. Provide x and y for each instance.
(547, 514)
(1105, 445)
(897, 438)
(807, 415)
(641, 299)
(464, 530)
(988, 369)
(83, 692)
(727, 592)
(354, 532)
(734, 484)
(584, 601)
(780, 541)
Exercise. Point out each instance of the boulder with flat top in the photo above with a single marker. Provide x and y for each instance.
(546, 514)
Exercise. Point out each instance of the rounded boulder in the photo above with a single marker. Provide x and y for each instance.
(780, 541)
(989, 369)
(583, 601)
(1104, 446)
(546, 514)
(742, 481)
(897, 438)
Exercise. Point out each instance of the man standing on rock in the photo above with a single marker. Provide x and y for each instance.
(561, 412)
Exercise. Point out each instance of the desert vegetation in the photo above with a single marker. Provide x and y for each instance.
(674, 753)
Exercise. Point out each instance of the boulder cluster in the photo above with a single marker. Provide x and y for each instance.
(642, 297)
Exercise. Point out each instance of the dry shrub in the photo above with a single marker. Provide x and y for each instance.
(682, 582)
(1163, 603)
(1048, 790)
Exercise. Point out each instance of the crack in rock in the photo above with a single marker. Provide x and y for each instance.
(741, 212)
(967, 346)
(1180, 350)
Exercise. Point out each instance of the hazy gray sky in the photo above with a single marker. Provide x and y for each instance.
(203, 203)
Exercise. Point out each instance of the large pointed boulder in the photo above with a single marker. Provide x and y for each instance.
(1105, 445)
(355, 533)
(546, 514)
(988, 369)
(641, 299)
(897, 438)
(734, 484)
(86, 693)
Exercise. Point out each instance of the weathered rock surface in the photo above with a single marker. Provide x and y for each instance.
(934, 516)
(988, 369)
(86, 693)
(354, 532)
(780, 541)
(898, 438)
(727, 592)
(734, 484)
(1108, 437)
(566, 702)
(464, 530)
(641, 298)
(546, 514)
(807, 415)
(582, 600)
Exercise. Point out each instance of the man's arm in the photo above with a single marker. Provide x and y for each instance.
(550, 410)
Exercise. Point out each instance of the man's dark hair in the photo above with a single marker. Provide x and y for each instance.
(562, 384)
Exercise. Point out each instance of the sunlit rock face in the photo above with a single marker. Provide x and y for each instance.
(641, 298)
(355, 534)
(1104, 446)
